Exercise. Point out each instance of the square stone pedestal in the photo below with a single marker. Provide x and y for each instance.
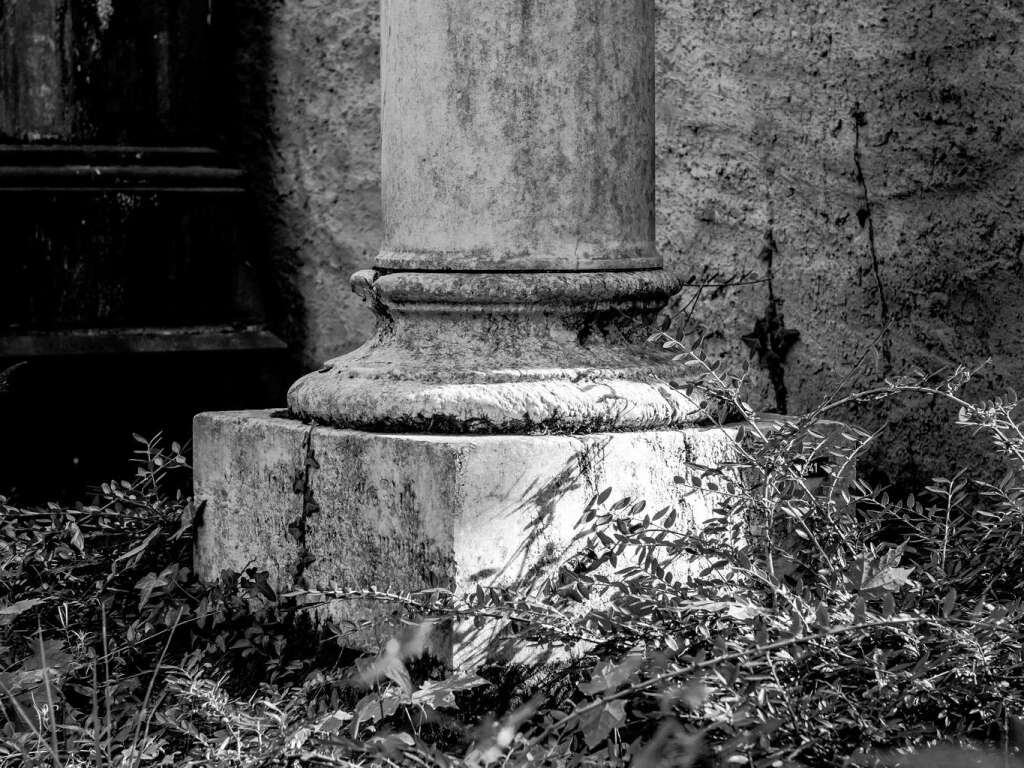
(323, 507)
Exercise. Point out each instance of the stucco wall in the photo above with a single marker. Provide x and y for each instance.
(761, 107)
(308, 132)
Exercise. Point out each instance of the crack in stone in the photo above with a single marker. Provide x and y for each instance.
(298, 527)
(864, 215)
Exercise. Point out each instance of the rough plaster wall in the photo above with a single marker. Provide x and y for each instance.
(756, 131)
(310, 136)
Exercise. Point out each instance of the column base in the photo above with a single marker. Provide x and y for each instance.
(531, 353)
(321, 507)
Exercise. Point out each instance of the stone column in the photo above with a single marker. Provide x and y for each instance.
(512, 291)
(518, 267)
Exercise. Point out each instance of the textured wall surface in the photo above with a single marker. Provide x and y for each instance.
(767, 113)
(309, 134)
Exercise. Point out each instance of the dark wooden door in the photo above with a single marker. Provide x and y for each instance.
(125, 225)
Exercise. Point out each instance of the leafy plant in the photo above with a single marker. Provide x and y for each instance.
(809, 620)
(812, 620)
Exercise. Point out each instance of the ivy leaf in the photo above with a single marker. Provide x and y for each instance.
(609, 675)
(48, 654)
(888, 605)
(388, 664)
(874, 576)
(49, 658)
(745, 611)
(600, 721)
(440, 694)
(9, 612)
(692, 694)
(395, 671)
(889, 579)
(147, 584)
(136, 552)
(949, 602)
(671, 745)
(334, 722)
(263, 586)
(77, 539)
(860, 609)
(796, 623)
(374, 706)
(821, 616)
(188, 517)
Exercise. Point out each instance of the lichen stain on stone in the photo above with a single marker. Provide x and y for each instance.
(460, 45)
(525, 13)
(104, 13)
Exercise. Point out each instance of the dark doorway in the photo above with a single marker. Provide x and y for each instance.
(132, 284)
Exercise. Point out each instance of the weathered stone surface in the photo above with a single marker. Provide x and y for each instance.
(757, 130)
(317, 506)
(517, 136)
(306, 94)
(530, 352)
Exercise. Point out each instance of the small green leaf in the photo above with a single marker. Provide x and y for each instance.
(949, 602)
(599, 722)
(859, 610)
(609, 675)
(18, 608)
(888, 605)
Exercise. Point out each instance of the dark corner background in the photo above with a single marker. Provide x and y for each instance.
(136, 287)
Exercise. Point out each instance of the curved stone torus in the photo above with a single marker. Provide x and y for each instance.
(511, 352)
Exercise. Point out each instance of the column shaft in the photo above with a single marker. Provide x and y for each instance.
(518, 135)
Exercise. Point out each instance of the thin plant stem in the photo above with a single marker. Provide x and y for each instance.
(55, 751)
